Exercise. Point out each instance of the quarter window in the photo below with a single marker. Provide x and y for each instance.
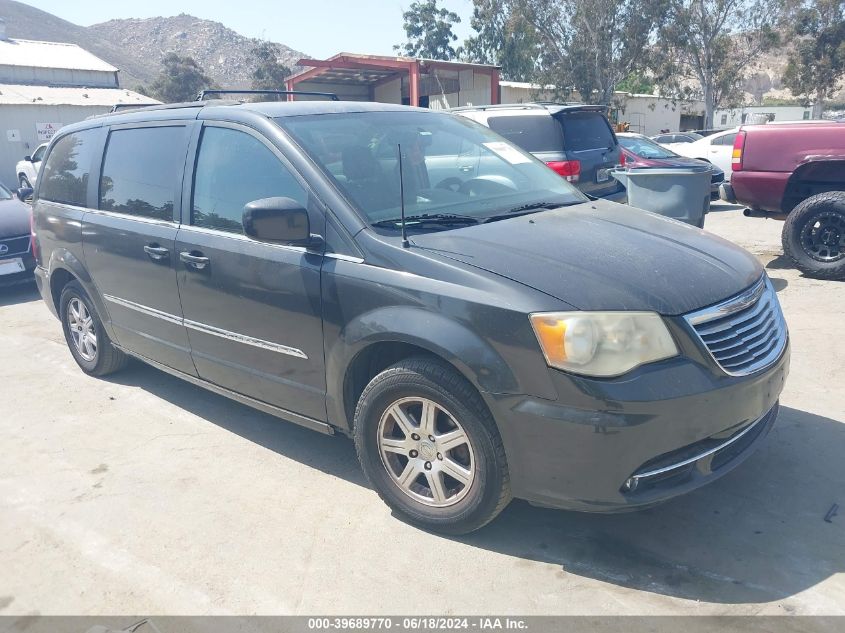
(234, 168)
(141, 170)
(65, 175)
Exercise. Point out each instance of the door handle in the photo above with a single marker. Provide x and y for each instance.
(156, 252)
(198, 261)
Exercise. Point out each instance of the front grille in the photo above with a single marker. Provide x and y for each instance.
(745, 333)
(16, 245)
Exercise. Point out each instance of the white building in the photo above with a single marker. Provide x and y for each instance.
(45, 85)
(644, 113)
(726, 118)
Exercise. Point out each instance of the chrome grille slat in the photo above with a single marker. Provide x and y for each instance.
(734, 342)
(744, 334)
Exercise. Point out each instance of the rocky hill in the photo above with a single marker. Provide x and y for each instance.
(136, 46)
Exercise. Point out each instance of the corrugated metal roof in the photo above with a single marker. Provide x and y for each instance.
(50, 95)
(50, 55)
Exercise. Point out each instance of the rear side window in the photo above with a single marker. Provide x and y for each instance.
(234, 168)
(532, 133)
(727, 139)
(65, 175)
(585, 131)
(141, 170)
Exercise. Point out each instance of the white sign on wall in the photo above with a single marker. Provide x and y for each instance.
(13, 136)
(45, 131)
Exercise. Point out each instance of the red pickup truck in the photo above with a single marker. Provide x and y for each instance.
(796, 172)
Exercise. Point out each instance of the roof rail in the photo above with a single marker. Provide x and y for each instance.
(499, 106)
(203, 93)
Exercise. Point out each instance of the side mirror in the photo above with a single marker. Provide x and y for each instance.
(278, 220)
(24, 194)
(28, 158)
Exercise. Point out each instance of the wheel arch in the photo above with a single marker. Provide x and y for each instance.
(65, 267)
(376, 340)
(812, 176)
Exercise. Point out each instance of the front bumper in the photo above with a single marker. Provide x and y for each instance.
(621, 444)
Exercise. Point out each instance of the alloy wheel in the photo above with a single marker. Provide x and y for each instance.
(80, 324)
(823, 237)
(426, 452)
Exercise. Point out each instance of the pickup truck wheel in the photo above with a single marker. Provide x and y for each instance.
(814, 235)
(88, 342)
(430, 448)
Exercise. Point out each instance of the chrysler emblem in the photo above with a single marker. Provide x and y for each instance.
(4, 248)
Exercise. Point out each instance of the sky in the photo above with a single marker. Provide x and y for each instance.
(318, 28)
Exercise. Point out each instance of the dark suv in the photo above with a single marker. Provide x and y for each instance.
(508, 338)
(574, 139)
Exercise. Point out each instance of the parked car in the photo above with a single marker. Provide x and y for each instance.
(796, 172)
(27, 169)
(676, 137)
(640, 151)
(16, 260)
(716, 148)
(575, 140)
(502, 337)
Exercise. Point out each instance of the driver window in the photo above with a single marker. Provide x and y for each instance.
(39, 154)
(234, 168)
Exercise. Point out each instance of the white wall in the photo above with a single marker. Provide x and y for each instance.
(23, 118)
(733, 117)
(57, 77)
(390, 92)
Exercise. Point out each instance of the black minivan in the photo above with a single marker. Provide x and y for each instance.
(482, 333)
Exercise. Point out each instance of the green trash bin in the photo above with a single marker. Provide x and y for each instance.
(682, 193)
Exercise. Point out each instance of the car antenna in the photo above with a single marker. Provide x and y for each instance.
(405, 242)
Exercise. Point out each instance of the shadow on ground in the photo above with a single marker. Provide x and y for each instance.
(756, 535)
(22, 293)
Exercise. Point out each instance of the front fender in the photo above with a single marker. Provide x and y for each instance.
(440, 335)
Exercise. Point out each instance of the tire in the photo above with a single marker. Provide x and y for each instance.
(814, 236)
(98, 357)
(479, 458)
(24, 182)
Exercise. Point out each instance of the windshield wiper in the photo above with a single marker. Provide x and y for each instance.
(428, 218)
(525, 209)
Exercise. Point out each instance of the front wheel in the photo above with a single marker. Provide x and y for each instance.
(24, 182)
(814, 235)
(430, 448)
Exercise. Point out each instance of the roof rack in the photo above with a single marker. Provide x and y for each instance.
(330, 95)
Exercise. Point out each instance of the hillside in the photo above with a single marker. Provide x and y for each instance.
(136, 46)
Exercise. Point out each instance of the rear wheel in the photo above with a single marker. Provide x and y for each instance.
(430, 448)
(814, 235)
(88, 342)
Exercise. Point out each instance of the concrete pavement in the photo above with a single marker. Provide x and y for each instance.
(144, 494)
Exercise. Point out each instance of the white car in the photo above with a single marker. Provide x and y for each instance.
(27, 169)
(716, 148)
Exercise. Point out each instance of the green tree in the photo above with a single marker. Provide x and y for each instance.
(428, 30)
(269, 73)
(181, 79)
(636, 83)
(816, 65)
(706, 48)
(592, 45)
(504, 37)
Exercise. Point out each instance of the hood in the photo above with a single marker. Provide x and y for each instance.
(605, 256)
(14, 218)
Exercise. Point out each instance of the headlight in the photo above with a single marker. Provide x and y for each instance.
(602, 343)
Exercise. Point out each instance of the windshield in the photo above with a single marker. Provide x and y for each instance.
(451, 165)
(644, 147)
(5, 194)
